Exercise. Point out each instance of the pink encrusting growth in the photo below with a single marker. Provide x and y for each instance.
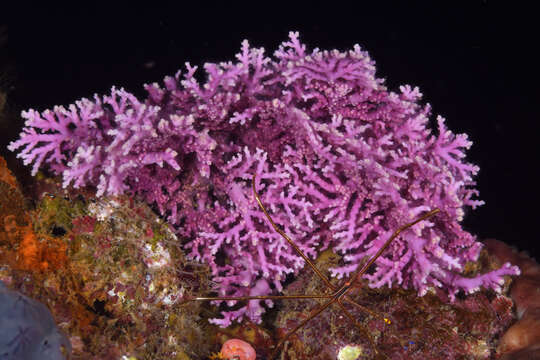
(237, 349)
(340, 161)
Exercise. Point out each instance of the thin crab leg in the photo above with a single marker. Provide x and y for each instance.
(337, 296)
(342, 291)
(396, 233)
(289, 240)
(304, 322)
(356, 277)
(260, 297)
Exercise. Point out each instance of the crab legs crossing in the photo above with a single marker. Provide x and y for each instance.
(337, 296)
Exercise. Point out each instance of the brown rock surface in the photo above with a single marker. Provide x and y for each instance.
(522, 340)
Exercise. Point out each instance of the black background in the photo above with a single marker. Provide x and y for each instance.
(474, 62)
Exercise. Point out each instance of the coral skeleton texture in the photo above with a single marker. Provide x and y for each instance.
(340, 161)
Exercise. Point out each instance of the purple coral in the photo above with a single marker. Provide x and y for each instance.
(340, 161)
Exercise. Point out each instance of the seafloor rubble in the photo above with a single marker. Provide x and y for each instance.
(114, 277)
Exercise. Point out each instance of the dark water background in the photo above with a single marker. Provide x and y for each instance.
(474, 61)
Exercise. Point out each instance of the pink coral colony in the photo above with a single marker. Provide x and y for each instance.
(340, 161)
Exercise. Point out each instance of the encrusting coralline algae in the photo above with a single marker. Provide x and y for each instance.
(340, 160)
